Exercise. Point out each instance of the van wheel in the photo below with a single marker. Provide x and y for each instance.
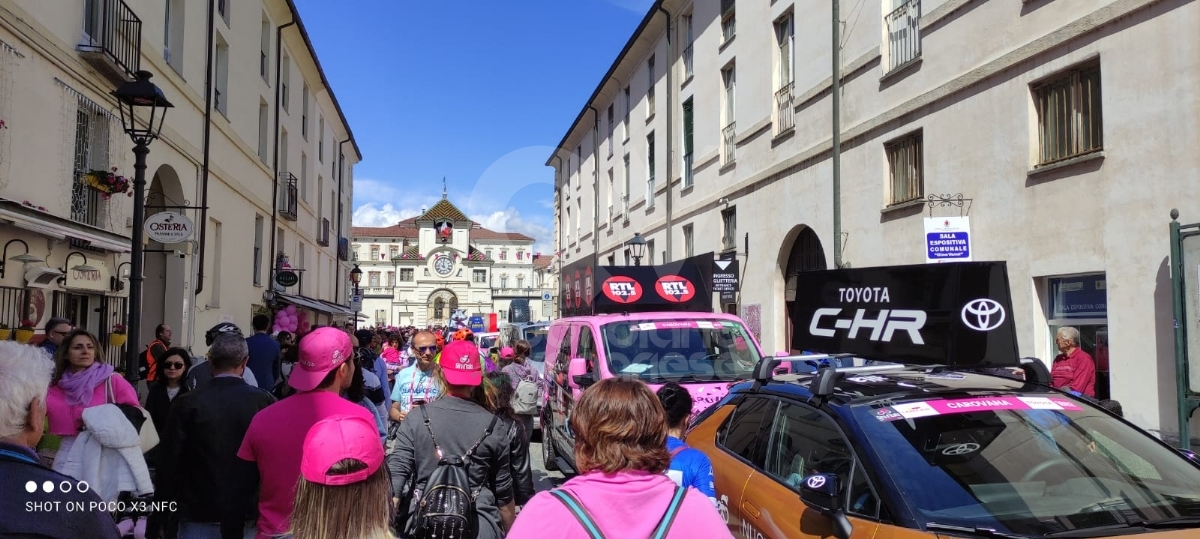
(549, 455)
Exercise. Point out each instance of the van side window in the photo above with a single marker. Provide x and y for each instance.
(587, 347)
(564, 359)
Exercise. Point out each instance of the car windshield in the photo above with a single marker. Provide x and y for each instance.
(1036, 464)
(680, 350)
(537, 343)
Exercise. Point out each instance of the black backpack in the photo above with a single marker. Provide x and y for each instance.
(447, 506)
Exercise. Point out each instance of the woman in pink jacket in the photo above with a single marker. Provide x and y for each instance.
(81, 380)
(620, 448)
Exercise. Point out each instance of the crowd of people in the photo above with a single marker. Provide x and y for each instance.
(336, 433)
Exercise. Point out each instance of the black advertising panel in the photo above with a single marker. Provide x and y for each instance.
(685, 285)
(725, 279)
(957, 314)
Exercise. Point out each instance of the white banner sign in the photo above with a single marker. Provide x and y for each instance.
(169, 227)
(947, 239)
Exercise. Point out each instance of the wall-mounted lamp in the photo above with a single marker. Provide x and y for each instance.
(84, 267)
(723, 201)
(114, 282)
(24, 258)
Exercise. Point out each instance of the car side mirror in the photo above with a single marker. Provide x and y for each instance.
(823, 493)
(578, 374)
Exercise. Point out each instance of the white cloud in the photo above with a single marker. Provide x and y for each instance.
(510, 220)
(374, 214)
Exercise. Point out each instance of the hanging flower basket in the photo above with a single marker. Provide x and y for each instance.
(25, 331)
(117, 337)
(108, 183)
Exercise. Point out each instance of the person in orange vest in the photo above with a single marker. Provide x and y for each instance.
(148, 369)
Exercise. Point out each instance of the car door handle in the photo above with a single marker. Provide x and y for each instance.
(749, 509)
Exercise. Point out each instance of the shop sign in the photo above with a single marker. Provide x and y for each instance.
(93, 279)
(725, 279)
(1084, 296)
(947, 239)
(169, 227)
(286, 278)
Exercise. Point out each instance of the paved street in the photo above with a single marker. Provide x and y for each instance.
(542, 479)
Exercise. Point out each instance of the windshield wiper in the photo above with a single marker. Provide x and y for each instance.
(1100, 531)
(972, 530)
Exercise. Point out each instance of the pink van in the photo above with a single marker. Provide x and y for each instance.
(704, 352)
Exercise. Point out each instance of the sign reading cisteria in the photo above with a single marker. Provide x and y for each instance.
(947, 239)
(169, 227)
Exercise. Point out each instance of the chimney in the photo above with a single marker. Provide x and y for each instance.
(423, 210)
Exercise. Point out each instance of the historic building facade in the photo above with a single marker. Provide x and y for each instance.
(418, 271)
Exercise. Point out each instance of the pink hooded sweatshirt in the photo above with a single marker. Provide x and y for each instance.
(625, 504)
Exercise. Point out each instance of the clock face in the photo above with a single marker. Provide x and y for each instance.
(443, 265)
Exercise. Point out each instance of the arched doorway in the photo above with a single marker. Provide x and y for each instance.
(805, 254)
(439, 306)
(163, 289)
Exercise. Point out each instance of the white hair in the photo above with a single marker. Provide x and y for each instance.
(1069, 333)
(25, 373)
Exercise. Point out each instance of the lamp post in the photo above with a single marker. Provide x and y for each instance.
(132, 96)
(356, 277)
(638, 247)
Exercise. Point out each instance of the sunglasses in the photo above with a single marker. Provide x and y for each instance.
(424, 349)
(173, 365)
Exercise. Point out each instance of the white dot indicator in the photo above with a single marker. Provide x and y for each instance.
(65, 486)
(48, 487)
(83, 486)
(31, 487)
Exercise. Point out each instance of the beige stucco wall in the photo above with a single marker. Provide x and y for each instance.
(39, 147)
(970, 96)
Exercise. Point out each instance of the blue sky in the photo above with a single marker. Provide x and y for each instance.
(477, 91)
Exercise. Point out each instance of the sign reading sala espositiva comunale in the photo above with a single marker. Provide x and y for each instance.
(929, 314)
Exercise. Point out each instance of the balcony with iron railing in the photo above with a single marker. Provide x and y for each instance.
(785, 114)
(289, 199)
(904, 38)
(112, 39)
(728, 141)
(687, 62)
(323, 237)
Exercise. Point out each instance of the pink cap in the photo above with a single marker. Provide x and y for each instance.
(507, 352)
(321, 351)
(460, 364)
(337, 438)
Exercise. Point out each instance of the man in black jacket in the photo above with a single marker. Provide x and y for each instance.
(204, 431)
(36, 501)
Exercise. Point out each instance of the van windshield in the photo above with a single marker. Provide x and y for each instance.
(537, 343)
(658, 351)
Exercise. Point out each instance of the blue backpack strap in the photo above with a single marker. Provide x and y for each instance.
(581, 514)
(669, 518)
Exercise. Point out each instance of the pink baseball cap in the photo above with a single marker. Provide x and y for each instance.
(507, 352)
(460, 364)
(321, 351)
(337, 438)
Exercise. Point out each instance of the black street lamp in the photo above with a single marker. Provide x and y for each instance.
(132, 96)
(356, 277)
(638, 247)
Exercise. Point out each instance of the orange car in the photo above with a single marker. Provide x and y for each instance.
(898, 452)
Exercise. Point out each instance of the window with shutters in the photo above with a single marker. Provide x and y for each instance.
(728, 24)
(906, 168)
(1069, 115)
(687, 143)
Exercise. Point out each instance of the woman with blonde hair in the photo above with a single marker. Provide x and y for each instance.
(81, 380)
(343, 490)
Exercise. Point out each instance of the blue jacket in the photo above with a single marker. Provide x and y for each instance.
(25, 514)
(691, 468)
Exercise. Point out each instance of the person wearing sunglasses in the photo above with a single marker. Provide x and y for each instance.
(415, 384)
(174, 366)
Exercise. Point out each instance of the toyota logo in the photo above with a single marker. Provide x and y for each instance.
(816, 481)
(983, 314)
(961, 449)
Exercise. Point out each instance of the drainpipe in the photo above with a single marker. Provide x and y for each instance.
(836, 91)
(670, 108)
(595, 187)
(275, 159)
(208, 103)
(337, 281)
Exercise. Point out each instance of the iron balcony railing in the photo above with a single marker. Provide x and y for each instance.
(323, 239)
(785, 114)
(687, 170)
(289, 199)
(113, 31)
(728, 139)
(687, 62)
(904, 40)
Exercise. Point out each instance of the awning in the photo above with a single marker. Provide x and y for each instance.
(338, 309)
(57, 227)
(314, 304)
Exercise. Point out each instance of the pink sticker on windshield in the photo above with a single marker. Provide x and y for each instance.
(956, 406)
(683, 324)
